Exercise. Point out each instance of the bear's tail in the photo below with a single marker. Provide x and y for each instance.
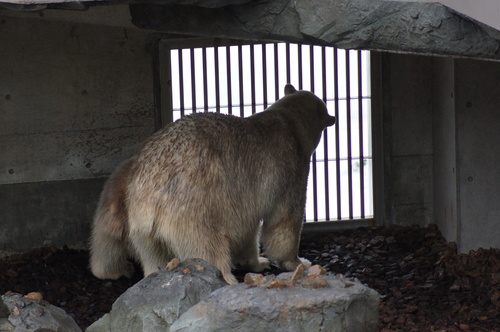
(109, 244)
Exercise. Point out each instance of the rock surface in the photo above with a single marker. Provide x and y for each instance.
(155, 302)
(194, 290)
(30, 313)
(416, 27)
(298, 301)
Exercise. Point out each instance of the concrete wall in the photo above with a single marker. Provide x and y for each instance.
(407, 139)
(445, 165)
(441, 121)
(477, 90)
(75, 100)
(467, 153)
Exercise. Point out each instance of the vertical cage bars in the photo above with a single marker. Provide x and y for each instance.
(337, 188)
(361, 137)
(313, 157)
(337, 133)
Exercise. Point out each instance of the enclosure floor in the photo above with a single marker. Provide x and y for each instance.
(424, 284)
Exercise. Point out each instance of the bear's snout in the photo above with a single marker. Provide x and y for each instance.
(330, 120)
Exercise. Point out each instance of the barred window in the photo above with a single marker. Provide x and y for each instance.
(241, 79)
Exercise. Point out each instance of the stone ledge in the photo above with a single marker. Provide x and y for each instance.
(410, 27)
(342, 305)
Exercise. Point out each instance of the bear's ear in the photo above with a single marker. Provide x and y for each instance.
(289, 89)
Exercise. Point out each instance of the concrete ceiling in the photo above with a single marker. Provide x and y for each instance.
(423, 26)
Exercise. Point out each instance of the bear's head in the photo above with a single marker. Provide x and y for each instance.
(308, 113)
(316, 108)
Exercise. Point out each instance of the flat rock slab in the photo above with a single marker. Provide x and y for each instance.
(308, 302)
(400, 26)
(156, 301)
(29, 312)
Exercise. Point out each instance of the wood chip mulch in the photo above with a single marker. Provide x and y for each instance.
(424, 284)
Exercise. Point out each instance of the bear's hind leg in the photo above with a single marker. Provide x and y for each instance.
(218, 255)
(152, 253)
(225, 268)
(109, 246)
(108, 257)
(281, 241)
(246, 256)
(213, 248)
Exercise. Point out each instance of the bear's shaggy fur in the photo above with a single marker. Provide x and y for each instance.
(109, 244)
(207, 185)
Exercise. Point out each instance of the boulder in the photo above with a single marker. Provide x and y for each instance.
(30, 313)
(300, 301)
(156, 301)
(424, 27)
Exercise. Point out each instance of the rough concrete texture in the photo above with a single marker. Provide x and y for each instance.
(75, 101)
(32, 5)
(428, 28)
(54, 213)
(75, 104)
(155, 302)
(408, 138)
(30, 313)
(445, 149)
(317, 303)
(478, 153)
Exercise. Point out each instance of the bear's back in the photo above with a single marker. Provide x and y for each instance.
(236, 142)
(229, 158)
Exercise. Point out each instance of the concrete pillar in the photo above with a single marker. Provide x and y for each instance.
(467, 152)
(444, 146)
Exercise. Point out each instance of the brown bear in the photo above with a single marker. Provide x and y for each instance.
(207, 185)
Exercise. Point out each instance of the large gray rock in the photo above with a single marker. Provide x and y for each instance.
(416, 27)
(155, 302)
(30, 313)
(314, 303)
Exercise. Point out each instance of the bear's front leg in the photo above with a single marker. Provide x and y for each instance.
(246, 254)
(281, 237)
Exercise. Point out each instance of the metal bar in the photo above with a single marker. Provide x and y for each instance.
(323, 72)
(338, 225)
(193, 86)
(240, 71)
(311, 66)
(377, 135)
(217, 79)
(276, 72)
(314, 171)
(163, 79)
(361, 151)
(287, 57)
(181, 83)
(325, 137)
(205, 79)
(337, 132)
(264, 74)
(299, 56)
(349, 132)
(300, 70)
(252, 77)
(229, 83)
(186, 43)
